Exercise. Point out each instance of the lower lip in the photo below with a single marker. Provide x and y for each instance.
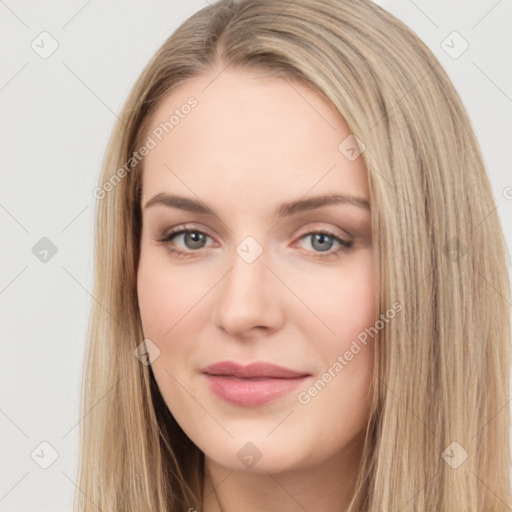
(251, 393)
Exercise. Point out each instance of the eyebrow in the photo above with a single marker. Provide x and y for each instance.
(284, 210)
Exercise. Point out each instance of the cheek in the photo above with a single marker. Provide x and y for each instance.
(347, 354)
(347, 304)
(165, 297)
(171, 315)
(156, 303)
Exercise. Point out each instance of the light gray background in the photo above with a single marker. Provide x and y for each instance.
(57, 114)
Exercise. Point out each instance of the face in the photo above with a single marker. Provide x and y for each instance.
(227, 275)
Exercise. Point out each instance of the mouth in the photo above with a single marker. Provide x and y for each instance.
(252, 385)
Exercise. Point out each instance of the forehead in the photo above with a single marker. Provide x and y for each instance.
(248, 135)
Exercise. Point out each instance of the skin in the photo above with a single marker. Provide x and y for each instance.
(251, 143)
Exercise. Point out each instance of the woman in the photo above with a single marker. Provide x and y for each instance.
(302, 297)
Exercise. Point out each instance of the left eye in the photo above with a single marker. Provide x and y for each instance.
(321, 241)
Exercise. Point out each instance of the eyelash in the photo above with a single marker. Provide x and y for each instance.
(167, 238)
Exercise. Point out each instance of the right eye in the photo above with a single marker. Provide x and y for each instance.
(192, 237)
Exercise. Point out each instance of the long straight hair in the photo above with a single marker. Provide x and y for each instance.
(438, 434)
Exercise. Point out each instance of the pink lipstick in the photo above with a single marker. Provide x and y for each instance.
(251, 385)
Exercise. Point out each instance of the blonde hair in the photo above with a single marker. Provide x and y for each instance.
(441, 375)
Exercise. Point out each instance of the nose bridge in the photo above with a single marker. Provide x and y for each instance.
(247, 297)
(247, 279)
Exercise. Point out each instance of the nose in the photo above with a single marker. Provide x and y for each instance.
(248, 298)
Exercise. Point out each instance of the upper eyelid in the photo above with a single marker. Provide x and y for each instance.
(187, 227)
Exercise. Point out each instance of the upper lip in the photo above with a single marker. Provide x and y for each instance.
(252, 370)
